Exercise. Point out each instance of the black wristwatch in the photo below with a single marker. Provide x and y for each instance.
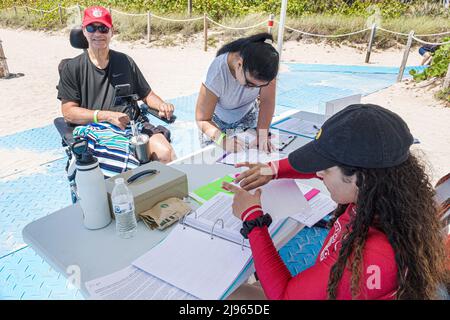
(248, 226)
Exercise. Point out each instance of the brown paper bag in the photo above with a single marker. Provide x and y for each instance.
(164, 213)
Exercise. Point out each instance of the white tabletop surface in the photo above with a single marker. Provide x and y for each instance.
(62, 240)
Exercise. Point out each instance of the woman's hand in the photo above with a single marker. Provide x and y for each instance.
(258, 175)
(233, 144)
(262, 143)
(242, 199)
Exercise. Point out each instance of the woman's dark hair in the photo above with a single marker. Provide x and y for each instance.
(260, 59)
(399, 202)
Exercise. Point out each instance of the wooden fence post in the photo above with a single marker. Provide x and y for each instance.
(80, 14)
(15, 11)
(405, 56)
(60, 13)
(28, 11)
(4, 72)
(205, 32)
(189, 8)
(371, 40)
(149, 26)
(447, 79)
(270, 23)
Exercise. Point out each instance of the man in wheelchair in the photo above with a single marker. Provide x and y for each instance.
(88, 87)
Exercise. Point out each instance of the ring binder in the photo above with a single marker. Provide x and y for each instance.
(212, 229)
(182, 220)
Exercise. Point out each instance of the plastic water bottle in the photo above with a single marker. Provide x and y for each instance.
(91, 191)
(123, 208)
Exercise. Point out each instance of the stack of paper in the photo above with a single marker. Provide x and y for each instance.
(277, 138)
(281, 198)
(321, 205)
(195, 262)
(132, 283)
(299, 126)
(252, 156)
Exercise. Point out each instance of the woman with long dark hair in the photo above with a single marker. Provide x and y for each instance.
(386, 239)
(239, 92)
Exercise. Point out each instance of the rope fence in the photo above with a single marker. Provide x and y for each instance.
(430, 43)
(325, 35)
(237, 28)
(270, 23)
(176, 20)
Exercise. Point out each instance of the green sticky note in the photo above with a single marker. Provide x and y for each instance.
(211, 189)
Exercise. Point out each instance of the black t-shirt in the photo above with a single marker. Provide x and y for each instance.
(93, 88)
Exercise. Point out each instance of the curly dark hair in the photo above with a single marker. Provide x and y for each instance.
(399, 202)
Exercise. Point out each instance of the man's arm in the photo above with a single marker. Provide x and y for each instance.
(73, 113)
(70, 96)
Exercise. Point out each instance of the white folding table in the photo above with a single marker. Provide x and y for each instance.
(61, 239)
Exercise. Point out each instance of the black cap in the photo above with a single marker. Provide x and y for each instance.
(361, 135)
(86, 158)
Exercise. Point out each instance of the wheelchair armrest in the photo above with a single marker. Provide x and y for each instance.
(146, 110)
(65, 130)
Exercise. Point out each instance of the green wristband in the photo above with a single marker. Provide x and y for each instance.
(95, 116)
(220, 138)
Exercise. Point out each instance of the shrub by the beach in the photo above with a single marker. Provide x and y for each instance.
(437, 69)
(439, 64)
(327, 17)
(223, 8)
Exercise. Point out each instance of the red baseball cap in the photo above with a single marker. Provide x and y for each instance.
(97, 14)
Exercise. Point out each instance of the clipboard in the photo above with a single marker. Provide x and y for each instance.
(315, 119)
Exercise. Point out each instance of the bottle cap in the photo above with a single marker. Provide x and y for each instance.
(86, 159)
(119, 181)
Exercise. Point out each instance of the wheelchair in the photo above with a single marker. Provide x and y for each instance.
(73, 147)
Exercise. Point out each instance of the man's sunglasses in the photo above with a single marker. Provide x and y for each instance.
(101, 28)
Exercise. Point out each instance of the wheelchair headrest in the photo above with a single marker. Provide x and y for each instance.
(77, 39)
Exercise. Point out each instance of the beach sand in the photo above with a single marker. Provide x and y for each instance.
(30, 101)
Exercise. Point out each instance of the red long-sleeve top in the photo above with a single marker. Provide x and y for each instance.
(378, 278)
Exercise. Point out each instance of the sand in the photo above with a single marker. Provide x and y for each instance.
(30, 101)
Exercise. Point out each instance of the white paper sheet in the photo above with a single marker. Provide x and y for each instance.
(217, 212)
(205, 265)
(304, 188)
(253, 156)
(299, 127)
(132, 283)
(193, 262)
(282, 199)
(278, 138)
(321, 205)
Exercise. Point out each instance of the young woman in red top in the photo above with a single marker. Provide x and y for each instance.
(385, 241)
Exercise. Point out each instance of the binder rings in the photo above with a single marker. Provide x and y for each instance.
(205, 253)
(215, 217)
